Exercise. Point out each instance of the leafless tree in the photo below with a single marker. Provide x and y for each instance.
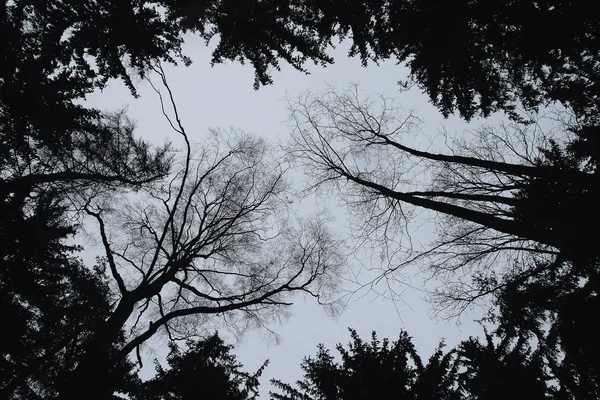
(360, 145)
(217, 239)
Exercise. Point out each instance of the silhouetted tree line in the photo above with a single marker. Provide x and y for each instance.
(474, 369)
(518, 216)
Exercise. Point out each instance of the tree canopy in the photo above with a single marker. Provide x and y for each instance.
(58, 153)
(52, 303)
(205, 369)
(383, 369)
(477, 57)
(514, 216)
(515, 213)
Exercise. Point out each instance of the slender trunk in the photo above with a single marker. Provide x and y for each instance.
(540, 171)
(509, 226)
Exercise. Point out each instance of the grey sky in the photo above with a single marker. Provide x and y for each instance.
(223, 97)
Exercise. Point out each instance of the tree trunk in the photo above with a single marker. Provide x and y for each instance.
(92, 379)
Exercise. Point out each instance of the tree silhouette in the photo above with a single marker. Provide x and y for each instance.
(52, 303)
(216, 238)
(367, 370)
(56, 150)
(513, 215)
(470, 57)
(476, 58)
(345, 138)
(380, 369)
(497, 371)
(554, 307)
(55, 53)
(206, 368)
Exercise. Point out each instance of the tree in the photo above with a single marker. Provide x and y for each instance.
(355, 144)
(470, 57)
(103, 158)
(53, 152)
(501, 370)
(47, 68)
(214, 239)
(473, 57)
(52, 54)
(514, 216)
(205, 369)
(55, 53)
(372, 369)
(380, 369)
(60, 50)
(482, 59)
(554, 307)
(52, 303)
(57, 151)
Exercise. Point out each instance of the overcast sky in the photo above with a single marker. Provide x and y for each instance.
(223, 97)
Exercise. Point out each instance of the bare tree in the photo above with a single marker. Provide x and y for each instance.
(218, 238)
(358, 145)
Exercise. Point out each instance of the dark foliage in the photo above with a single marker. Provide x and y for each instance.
(54, 149)
(476, 57)
(565, 206)
(205, 369)
(380, 369)
(259, 32)
(473, 57)
(54, 53)
(520, 234)
(554, 300)
(501, 370)
(468, 56)
(51, 302)
(554, 307)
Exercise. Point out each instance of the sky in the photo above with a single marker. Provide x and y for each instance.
(223, 96)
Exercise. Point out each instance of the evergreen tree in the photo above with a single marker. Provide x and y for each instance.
(204, 369)
(52, 303)
(380, 370)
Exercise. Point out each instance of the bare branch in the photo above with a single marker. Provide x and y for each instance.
(356, 145)
(108, 251)
(216, 238)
